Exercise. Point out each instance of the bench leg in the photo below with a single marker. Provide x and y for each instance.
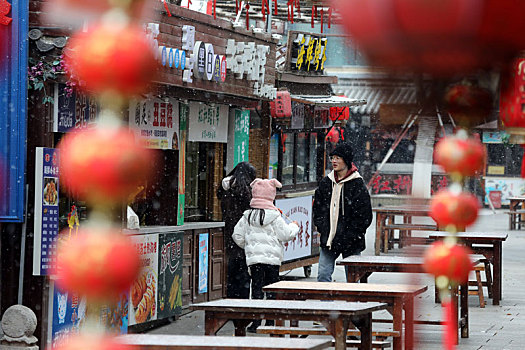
(338, 329)
(480, 289)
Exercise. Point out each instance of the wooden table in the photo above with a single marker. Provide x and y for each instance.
(385, 216)
(399, 297)
(335, 316)
(359, 268)
(490, 244)
(203, 342)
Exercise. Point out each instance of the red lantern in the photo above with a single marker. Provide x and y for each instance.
(339, 113)
(103, 165)
(98, 264)
(282, 106)
(118, 59)
(452, 261)
(334, 135)
(512, 99)
(457, 155)
(441, 37)
(468, 105)
(91, 342)
(450, 208)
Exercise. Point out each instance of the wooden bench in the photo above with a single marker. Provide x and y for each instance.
(203, 342)
(405, 234)
(516, 218)
(303, 332)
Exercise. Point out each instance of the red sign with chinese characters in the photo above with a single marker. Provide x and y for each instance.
(402, 184)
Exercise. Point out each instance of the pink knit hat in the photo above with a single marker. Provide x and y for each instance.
(263, 193)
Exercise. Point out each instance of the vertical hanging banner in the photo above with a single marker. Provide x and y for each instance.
(203, 263)
(208, 123)
(170, 274)
(183, 120)
(46, 210)
(143, 294)
(241, 136)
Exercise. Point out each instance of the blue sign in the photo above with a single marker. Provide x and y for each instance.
(183, 60)
(68, 311)
(46, 210)
(176, 58)
(163, 55)
(203, 263)
(73, 111)
(13, 111)
(170, 57)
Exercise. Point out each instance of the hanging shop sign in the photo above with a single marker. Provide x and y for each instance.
(282, 106)
(46, 210)
(308, 52)
(73, 110)
(203, 263)
(212, 56)
(241, 136)
(144, 291)
(208, 123)
(170, 274)
(402, 184)
(156, 121)
(298, 209)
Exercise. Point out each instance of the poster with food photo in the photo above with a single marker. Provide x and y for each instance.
(143, 293)
(170, 274)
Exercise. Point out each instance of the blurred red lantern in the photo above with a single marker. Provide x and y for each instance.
(103, 165)
(116, 59)
(441, 37)
(512, 99)
(91, 342)
(468, 105)
(99, 265)
(462, 156)
(451, 208)
(452, 261)
(334, 135)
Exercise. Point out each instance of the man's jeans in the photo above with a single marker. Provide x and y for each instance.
(327, 264)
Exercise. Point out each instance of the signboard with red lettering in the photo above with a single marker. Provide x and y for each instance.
(300, 210)
(402, 184)
(156, 121)
(46, 210)
(144, 291)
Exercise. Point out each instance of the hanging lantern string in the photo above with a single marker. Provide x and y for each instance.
(275, 7)
(322, 13)
(314, 14)
(214, 9)
(166, 7)
(264, 8)
(298, 6)
(247, 7)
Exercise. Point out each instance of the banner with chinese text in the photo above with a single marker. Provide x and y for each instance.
(208, 123)
(298, 209)
(170, 274)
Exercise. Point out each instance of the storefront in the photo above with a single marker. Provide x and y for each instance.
(200, 115)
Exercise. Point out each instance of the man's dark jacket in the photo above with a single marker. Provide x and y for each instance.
(351, 227)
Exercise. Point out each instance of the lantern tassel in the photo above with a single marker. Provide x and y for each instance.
(275, 7)
(167, 9)
(214, 9)
(247, 16)
(322, 14)
(449, 339)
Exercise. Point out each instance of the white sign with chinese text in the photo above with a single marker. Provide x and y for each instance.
(300, 210)
(208, 123)
(156, 121)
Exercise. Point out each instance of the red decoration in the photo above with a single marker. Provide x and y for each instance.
(247, 7)
(449, 260)
(264, 8)
(97, 264)
(5, 8)
(339, 113)
(214, 9)
(322, 15)
(112, 59)
(103, 165)
(461, 156)
(334, 135)
(441, 37)
(275, 7)
(513, 97)
(329, 17)
(468, 105)
(167, 8)
(91, 342)
(282, 106)
(450, 318)
(450, 208)
(314, 13)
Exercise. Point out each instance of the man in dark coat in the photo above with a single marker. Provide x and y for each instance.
(342, 211)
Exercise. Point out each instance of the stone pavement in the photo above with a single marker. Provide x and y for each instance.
(494, 327)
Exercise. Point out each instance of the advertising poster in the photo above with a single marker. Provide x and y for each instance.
(68, 312)
(298, 209)
(114, 316)
(241, 136)
(183, 127)
(508, 186)
(73, 111)
(208, 123)
(203, 263)
(170, 274)
(157, 122)
(274, 158)
(143, 293)
(46, 209)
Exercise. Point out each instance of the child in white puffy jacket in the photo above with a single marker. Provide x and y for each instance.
(261, 231)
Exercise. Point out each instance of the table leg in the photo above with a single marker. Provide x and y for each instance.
(212, 323)
(379, 229)
(338, 329)
(464, 321)
(365, 326)
(497, 276)
(409, 323)
(397, 315)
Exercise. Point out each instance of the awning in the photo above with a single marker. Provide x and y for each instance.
(328, 101)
